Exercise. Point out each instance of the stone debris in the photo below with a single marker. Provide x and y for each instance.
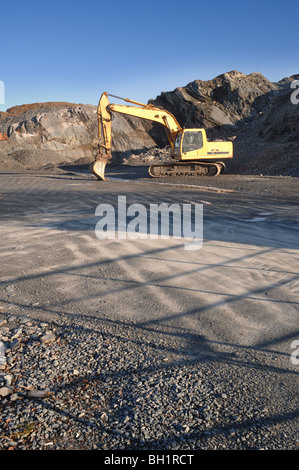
(150, 156)
(9, 288)
(4, 391)
(105, 387)
(48, 337)
(39, 394)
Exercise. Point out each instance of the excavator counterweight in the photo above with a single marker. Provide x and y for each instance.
(193, 154)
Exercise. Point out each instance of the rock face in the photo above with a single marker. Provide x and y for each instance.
(256, 113)
(278, 131)
(35, 136)
(222, 101)
(281, 121)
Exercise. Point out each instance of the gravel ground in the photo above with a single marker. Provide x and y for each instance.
(147, 349)
(83, 386)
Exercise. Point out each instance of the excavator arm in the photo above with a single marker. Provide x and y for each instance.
(144, 111)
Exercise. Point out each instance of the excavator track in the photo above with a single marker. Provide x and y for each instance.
(186, 169)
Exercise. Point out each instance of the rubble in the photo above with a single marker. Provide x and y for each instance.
(150, 156)
(116, 389)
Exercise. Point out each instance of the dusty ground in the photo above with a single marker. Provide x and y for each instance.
(234, 301)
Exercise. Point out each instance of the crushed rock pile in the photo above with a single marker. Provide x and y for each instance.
(150, 156)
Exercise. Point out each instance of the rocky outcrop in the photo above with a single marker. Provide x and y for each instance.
(38, 135)
(222, 101)
(49, 133)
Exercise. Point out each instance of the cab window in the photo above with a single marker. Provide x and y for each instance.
(177, 144)
(192, 141)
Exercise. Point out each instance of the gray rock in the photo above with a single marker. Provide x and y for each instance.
(15, 343)
(4, 391)
(48, 337)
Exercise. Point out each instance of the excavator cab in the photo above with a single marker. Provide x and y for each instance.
(189, 144)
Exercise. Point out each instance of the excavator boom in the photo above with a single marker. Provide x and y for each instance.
(150, 113)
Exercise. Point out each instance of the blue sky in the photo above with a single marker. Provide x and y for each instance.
(74, 50)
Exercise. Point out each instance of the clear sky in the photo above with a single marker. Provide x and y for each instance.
(74, 50)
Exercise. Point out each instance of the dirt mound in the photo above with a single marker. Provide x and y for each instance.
(23, 108)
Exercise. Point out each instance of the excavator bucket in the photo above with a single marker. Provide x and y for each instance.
(98, 167)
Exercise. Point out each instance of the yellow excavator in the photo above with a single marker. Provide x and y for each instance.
(193, 154)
